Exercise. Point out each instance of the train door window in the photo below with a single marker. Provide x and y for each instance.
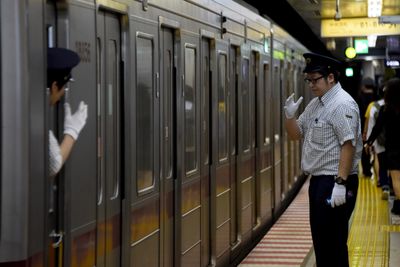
(112, 145)
(190, 110)
(144, 114)
(222, 106)
(254, 94)
(234, 90)
(277, 88)
(100, 132)
(289, 81)
(266, 106)
(206, 91)
(245, 106)
(169, 110)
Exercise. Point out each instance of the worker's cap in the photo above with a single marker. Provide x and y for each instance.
(316, 62)
(60, 62)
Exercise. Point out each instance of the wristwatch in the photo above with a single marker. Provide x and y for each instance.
(340, 180)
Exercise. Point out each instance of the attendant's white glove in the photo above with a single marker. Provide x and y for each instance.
(73, 124)
(291, 107)
(338, 195)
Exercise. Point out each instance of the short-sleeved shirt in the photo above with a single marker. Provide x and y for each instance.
(55, 158)
(325, 125)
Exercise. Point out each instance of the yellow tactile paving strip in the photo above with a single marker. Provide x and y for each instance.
(368, 237)
(369, 231)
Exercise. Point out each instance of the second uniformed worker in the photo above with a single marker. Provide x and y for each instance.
(60, 62)
(331, 130)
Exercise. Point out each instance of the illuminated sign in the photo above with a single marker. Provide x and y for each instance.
(357, 27)
(349, 72)
(392, 63)
(361, 46)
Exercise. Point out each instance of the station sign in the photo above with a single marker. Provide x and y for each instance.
(361, 46)
(357, 27)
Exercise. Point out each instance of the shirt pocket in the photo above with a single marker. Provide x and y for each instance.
(319, 130)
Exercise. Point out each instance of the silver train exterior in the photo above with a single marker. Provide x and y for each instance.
(183, 161)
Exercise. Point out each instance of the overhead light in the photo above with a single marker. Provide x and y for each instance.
(374, 8)
(372, 40)
(350, 52)
(390, 19)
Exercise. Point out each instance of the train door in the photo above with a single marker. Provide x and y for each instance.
(144, 209)
(234, 85)
(220, 157)
(245, 158)
(264, 132)
(277, 132)
(168, 96)
(205, 158)
(109, 133)
(189, 154)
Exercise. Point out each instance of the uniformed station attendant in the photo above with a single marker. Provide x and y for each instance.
(331, 130)
(60, 62)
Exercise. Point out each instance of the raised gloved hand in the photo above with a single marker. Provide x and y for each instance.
(73, 124)
(291, 107)
(338, 195)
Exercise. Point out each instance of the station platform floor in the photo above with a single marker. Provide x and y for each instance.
(374, 237)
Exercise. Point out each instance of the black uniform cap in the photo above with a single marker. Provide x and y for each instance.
(60, 62)
(316, 63)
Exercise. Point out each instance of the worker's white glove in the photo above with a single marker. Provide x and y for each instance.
(73, 124)
(291, 107)
(338, 195)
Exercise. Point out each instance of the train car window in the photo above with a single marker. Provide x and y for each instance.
(190, 110)
(267, 107)
(222, 106)
(144, 114)
(245, 106)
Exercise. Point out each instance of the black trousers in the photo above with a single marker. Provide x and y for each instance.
(330, 226)
(365, 163)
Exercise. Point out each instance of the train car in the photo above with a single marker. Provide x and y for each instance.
(184, 160)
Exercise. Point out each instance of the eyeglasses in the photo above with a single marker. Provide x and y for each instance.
(313, 81)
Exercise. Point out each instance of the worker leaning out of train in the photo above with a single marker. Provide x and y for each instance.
(332, 143)
(60, 62)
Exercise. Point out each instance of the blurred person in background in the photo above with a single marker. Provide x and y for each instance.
(389, 120)
(378, 146)
(366, 95)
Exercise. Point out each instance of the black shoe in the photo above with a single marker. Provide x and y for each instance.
(396, 207)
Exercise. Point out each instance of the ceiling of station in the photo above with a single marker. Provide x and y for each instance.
(309, 13)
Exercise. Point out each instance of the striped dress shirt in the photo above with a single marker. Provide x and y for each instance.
(326, 123)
